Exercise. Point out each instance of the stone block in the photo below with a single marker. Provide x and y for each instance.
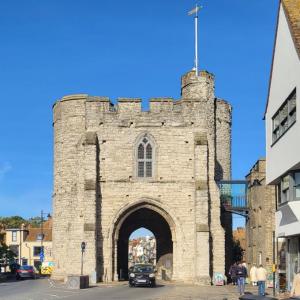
(201, 185)
(90, 138)
(89, 184)
(89, 227)
(200, 138)
(202, 228)
(77, 282)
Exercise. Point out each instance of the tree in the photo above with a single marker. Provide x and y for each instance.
(35, 221)
(7, 256)
(12, 222)
(237, 250)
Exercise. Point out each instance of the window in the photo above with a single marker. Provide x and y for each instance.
(145, 158)
(285, 117)
(289, 187)
(39, 237)
(14, 236)
(297, 185)
(37, 251)
(285, 189)
(24, 261)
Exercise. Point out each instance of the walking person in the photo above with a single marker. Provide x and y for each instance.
(295, 291)
(232, 273)
(241, 274)
(253, 278)
(261, 276)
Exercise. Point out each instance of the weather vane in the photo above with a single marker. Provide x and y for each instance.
(194, 11)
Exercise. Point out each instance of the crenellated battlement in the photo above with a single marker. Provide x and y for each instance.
(196, 103)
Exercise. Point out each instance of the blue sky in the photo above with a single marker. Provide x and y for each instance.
(132, 48)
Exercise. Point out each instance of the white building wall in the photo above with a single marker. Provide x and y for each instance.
(283, 228)
(285, 153)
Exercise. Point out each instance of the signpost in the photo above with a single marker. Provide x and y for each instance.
(83, 244)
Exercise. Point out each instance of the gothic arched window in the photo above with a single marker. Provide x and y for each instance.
(145, 158)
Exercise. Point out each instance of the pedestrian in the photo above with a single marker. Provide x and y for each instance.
(295, 291)
(241, 274)
(261, 276)
(253, 278)
(232, 273)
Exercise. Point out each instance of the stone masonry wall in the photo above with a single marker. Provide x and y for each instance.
(260, 225)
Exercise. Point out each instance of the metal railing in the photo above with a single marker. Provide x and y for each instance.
(233, 196)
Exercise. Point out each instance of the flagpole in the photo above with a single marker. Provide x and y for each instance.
(191, 12)
(196, 40)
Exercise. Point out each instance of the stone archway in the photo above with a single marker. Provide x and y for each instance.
(155, 220)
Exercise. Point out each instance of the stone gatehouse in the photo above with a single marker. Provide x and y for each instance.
(118, 168)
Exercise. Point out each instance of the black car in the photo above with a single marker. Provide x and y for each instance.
(25, 272)
(142, 275)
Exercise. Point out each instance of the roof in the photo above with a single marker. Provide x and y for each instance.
(292, 12)
(33, 232)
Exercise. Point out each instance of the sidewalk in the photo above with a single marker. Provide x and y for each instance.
(182, 291)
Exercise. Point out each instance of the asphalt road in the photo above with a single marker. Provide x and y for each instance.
(45, 289)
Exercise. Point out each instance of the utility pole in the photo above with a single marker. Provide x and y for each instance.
(42, 255)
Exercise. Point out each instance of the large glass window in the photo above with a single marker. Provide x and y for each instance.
(145, 158)
(285, 117)
(289, 187)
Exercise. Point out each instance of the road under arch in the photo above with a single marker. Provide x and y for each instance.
(155, 222)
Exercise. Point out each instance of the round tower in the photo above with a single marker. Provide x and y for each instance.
(197, 87)
(69, 126)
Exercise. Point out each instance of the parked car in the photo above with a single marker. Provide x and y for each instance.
(14, 267)
(26, 272)
(142, 275)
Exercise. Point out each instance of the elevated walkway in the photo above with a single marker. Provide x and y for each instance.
(234, 196)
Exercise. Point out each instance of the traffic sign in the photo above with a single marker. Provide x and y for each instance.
(42, 256)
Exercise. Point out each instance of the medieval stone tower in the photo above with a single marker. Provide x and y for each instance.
(118, 168)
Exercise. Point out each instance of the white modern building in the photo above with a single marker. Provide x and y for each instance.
(282, 120)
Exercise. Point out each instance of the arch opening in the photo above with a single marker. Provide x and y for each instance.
(158, 225)
(142, 247)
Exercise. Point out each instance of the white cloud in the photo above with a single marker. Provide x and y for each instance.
(5, 167)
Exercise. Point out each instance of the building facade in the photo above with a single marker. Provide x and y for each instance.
(118, 168)
(26, 242)
(283, 131)
(261, 221)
